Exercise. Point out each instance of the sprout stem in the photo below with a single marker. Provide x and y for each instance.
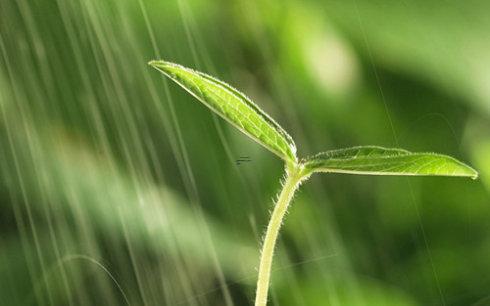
(294, 177)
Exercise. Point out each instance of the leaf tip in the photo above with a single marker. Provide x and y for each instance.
(468, 171)
(167, 68)
(474, 175)
(154, 63)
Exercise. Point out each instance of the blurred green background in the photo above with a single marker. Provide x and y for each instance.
(118, 188)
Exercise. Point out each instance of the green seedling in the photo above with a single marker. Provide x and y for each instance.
(245, 115)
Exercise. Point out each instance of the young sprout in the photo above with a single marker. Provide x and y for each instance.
(241, 112)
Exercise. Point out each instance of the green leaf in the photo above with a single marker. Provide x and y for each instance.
(233, 106)
(373, 160)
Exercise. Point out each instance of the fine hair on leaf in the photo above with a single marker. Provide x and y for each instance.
(236, 108)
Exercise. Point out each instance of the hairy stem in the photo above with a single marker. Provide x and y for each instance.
(293, 179)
